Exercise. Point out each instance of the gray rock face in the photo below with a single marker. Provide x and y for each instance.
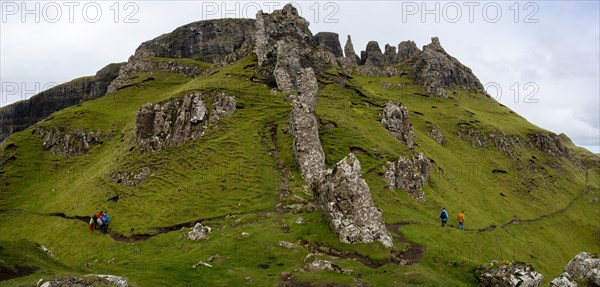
(212, 41)
(69, 143)
(549, 144)
(390, 54)
(207, 41)
(406, 49)
(273, 27)
(173, 122)
(331, 41)
(303, 125)
(348, 207)
(349, 51)
(409, 175)
(395, 119)
(284, 45)
(373, 56)
(288, 63)
(517, 275)
(21, 115)
(170, 123)
(436, 71)
(199, 232)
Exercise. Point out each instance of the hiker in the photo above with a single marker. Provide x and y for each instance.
(461, 220)
(99, 221)
(443, 216)
(92, 223)
(106, 220)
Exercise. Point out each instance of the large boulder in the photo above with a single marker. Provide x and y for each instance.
(436, 71)
(199, 232)
(348, 206)
(395, 119)
(409, 175)
(303, 125)
(583, 267)
(511, 275)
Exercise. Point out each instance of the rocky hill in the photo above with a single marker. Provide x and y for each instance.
(254, 152)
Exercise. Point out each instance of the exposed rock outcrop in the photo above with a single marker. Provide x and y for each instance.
(70, 142)
(303, 125)
(126, 78)
(373, 56)
(173, 122)
(549, 144)
(564, 280)
(223, 106)
(130, 178)
(512, 275)
(395, 119)
(199, 232)
(409, 175)
(348, 207)
(436, 71)
(212, 41)
(350, 53)
(87, 280)
(282, 45)
(170, 123)
(390, 54)
(406, 49)
(583, 267)
(474, 135)
(325, 265)
(436, 134)
(331, 41)
(20, 115)
(505, 143)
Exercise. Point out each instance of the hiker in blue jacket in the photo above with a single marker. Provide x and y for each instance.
(443, 216)
(106, 220)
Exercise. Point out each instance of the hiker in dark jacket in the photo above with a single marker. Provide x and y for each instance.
(443, 216)
(106, 221)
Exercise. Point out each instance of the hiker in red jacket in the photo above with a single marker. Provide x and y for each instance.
(99, 220)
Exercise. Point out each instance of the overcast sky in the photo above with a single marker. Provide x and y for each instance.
(541, 59)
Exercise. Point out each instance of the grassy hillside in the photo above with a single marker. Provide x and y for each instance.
(230, 180)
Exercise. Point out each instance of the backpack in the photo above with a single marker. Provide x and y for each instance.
(443, 215)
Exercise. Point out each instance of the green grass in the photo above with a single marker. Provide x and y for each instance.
(230, 171)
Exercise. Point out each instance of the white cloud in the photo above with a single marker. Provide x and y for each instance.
(560, 53)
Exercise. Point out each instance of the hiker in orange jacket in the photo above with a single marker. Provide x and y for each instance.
(461, 220)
